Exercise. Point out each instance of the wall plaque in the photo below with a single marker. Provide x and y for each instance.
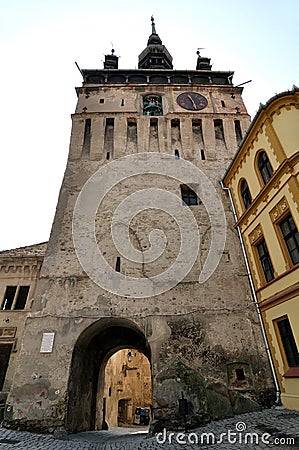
(47, 343)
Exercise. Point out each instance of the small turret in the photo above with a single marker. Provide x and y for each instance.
(202, 62)
(111, 61)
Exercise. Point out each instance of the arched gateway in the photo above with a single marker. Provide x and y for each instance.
(95, 345)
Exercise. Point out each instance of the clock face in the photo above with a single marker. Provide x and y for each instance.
(192, 101)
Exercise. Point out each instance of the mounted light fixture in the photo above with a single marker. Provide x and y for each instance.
(130, 356)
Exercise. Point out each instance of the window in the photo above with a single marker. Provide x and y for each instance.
(15, 297)
(288, 341)
(240, 374)
(202, 154)
(265, 167)
(117, 264)
(9, 297)
(265, 260)
(291, 237)
(189, 197)
(22, 297)
(176, 154)
(245, 193)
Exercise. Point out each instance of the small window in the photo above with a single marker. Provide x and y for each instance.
(223, 103)
(189, 197)
(176, 154)
(108, 155)
(291, 237)
(240, 374)
(117, 264)
(265, 260)
(288, 342)
(202, 154)
(245, 194)
(102, 100)
(265, 167)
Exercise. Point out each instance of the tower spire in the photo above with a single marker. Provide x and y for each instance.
(153, 25)
(155, 55)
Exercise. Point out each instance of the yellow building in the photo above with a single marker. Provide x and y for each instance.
(263, 181)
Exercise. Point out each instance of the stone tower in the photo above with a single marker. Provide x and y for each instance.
(143, 254)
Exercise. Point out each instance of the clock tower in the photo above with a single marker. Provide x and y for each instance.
(143, 255)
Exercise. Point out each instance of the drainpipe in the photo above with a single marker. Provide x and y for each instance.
(255, 300)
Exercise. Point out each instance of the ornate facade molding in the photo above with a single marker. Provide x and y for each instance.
(256, 234)
(279, 210)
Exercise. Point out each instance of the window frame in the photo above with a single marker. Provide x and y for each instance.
(241, 191)
(260, 264)
(266, 164)
(188, 194)
(286, 357)
(287, 252)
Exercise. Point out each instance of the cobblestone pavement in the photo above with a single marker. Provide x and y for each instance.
(275, 428)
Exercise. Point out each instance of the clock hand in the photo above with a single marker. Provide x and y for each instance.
(192, 101)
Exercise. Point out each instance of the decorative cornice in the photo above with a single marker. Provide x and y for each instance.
(20, 268)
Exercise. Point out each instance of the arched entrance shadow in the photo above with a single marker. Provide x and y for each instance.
(93, 348)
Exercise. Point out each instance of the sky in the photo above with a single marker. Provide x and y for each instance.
(40, 40)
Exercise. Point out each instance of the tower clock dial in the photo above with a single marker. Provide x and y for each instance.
(192, 101)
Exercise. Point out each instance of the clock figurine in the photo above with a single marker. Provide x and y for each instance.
(192, 101)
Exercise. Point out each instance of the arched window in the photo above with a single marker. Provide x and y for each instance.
(264, 167)
(245, 193)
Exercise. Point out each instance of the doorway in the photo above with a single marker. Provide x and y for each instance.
(5, 350)
(87, 399)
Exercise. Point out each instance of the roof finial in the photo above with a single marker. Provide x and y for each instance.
(153, 25)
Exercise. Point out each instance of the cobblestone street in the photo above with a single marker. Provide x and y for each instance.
(273, 428)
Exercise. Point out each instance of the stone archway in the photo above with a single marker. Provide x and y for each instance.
(93, 348)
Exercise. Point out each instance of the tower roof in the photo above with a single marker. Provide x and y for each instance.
(155, 55)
